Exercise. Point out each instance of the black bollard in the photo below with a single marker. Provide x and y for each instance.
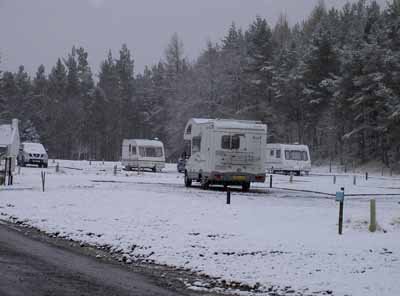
(270, 181)
(43, 174)
(228, 196)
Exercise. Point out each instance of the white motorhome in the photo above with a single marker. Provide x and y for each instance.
(288, 158)
(225, 152)
(137, 153)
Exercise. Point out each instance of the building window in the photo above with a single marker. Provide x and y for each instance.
(196, 144)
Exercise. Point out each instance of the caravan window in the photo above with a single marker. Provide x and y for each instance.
(196, 144)
(230, 142)
(305, 156)
(278, 153)
(132, 149)
(287, 154)
(142, 151)
(150, 151)
(154, 152)
(296, 155)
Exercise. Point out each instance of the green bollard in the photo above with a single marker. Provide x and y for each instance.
(372, 225)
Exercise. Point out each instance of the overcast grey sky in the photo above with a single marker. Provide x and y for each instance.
(39, 31)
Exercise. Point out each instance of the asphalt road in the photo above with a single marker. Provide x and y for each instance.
(33, 267)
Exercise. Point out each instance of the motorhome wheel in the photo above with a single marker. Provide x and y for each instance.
(188, 181)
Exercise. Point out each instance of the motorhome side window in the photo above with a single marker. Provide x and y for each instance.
(230, 142)
(271, 152)
(189, 130)
(196, 144)
(278, 153)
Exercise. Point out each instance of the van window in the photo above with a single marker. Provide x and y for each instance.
(278, 153)
(271, 152)
(230, 142)
(133, 150)
(196, 144)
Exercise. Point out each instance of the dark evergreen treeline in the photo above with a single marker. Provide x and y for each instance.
(332, 82)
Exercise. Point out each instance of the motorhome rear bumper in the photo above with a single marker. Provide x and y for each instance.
(235, 178)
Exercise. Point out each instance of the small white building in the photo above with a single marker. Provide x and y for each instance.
(9, 142)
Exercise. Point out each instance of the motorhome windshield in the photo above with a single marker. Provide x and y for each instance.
(150, 151)
(296, 155)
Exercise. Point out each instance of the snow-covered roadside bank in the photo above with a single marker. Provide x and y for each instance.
(279, 239)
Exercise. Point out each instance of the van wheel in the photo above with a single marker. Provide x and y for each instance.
(154, 169)
(45, 165)
(188, 181)
(246, 187)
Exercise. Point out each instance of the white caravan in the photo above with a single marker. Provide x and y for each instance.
(225, 152)
(288, 158)
(138, 153)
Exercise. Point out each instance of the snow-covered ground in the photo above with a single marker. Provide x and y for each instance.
(269, 237)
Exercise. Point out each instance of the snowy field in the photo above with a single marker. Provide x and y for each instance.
(271, 239)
